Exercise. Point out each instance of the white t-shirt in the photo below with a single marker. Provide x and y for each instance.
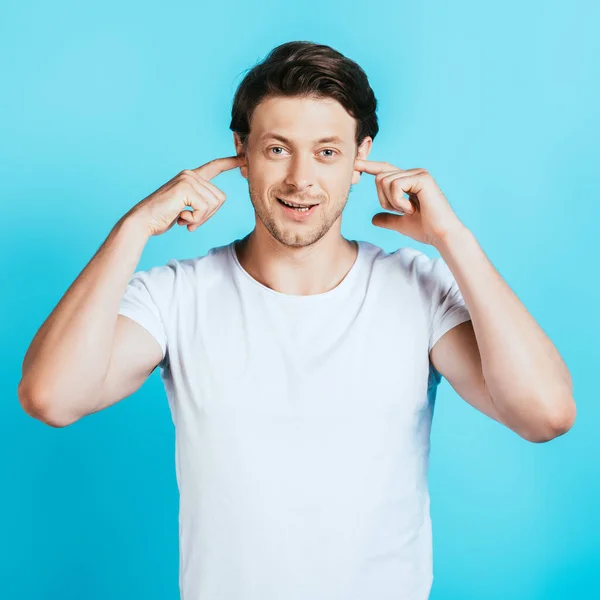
(302, 423)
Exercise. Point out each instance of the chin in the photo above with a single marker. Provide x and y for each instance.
(299, 239)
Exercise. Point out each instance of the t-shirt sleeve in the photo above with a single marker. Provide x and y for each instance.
(147, 300)
(443, 302)
(448, 308)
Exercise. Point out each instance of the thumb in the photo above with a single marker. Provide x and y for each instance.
(388, 221)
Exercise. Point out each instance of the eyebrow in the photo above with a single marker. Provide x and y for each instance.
(334, 139)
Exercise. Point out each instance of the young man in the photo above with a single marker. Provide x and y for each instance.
(301, 368)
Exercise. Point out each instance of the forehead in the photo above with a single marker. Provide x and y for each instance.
(303, 120)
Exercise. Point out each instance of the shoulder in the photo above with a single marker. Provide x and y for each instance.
(178, 271)
(181, 283)
(431, 273)
(425, 271)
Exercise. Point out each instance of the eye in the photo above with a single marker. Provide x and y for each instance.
(324, 150)
(273, 147)
(329, 150)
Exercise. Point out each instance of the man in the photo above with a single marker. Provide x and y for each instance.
(300, 367)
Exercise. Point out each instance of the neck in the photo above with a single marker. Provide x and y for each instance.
(302, 271)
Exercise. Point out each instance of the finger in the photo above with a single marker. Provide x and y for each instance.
(382, 198)
(208, 215)
(382, 190)
(185, 217)
(413, 185)
(207, 184)
(218, 165)
(392, 185)
(373, 167)
(204, 201)
(202, 216)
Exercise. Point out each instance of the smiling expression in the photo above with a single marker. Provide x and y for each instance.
(301, 150)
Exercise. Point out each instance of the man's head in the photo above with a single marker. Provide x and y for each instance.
(284, 114)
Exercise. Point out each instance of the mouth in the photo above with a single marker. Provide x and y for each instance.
(295, 204)
(298, 211)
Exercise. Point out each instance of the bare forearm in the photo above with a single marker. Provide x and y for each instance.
(526, 376)
(69, 356)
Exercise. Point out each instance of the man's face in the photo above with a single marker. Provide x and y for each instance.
(299, 167)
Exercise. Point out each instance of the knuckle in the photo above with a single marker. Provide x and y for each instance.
(188, 189)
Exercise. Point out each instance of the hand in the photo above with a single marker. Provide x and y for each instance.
(427, 215)
(163, 208)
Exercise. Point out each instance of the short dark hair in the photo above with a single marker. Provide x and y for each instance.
(306, 69)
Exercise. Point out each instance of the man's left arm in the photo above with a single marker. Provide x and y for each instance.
(527, 384)
(501, 361)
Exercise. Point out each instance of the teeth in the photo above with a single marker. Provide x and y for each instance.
(295, 205)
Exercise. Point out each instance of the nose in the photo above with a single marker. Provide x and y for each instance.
(300, 173)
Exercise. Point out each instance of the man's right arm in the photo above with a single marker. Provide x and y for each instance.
(86, 356)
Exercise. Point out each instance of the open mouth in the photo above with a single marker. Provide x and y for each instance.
(303, 209)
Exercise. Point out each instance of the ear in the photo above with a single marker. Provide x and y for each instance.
(239, 150)
(362, 153)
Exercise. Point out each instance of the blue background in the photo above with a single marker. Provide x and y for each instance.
(101, 104)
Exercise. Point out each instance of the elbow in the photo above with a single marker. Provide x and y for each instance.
(38, 409)
(556, 423)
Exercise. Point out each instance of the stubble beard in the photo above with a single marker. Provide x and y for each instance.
(294, 234)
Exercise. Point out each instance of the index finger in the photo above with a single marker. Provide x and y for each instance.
(372, 166)
(218, 165)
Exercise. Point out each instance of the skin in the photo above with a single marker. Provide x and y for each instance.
(291, 257)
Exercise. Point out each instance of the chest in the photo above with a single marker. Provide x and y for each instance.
(368, 355)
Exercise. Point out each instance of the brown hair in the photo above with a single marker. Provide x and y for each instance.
(306, 69)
